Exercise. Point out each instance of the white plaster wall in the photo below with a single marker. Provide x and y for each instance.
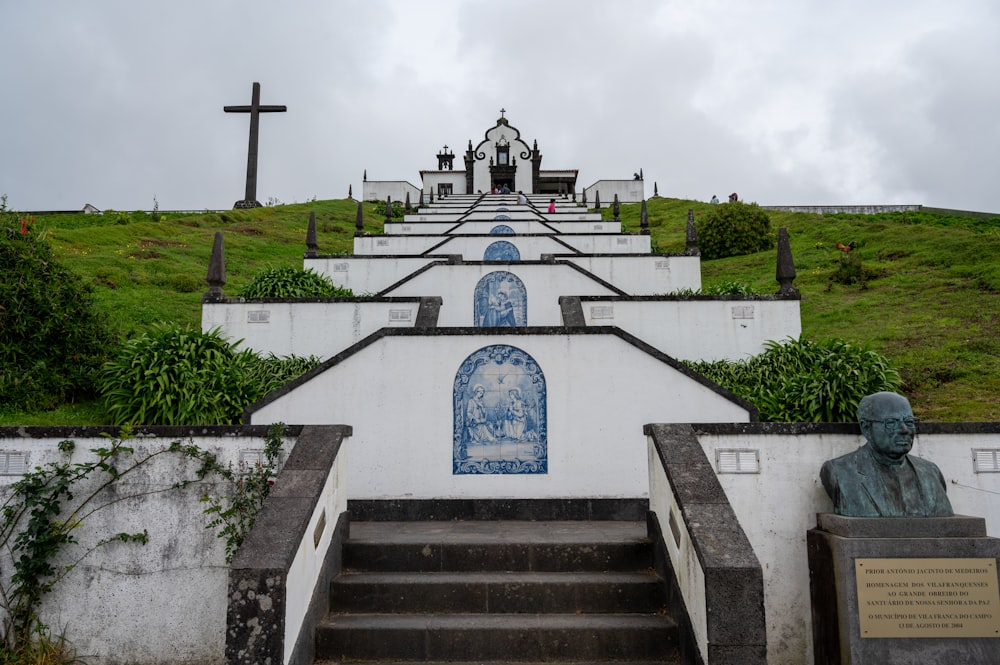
(644, 274)
(473, 248)
(574, 223)
(778, 506)
(365, 275)
(609, 243)
(600, 392)
(701, 329)
(378, 190)
(431, 180)
(628, 191)
(161, 603)
(481, 167)
(321, 329)
(456, 284)
(394, 245)
(409, 226)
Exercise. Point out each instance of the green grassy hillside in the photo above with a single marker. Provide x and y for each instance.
(931, 304)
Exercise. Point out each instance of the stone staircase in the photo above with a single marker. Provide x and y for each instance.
(492, 591)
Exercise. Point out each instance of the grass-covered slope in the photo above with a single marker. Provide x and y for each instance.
(932, 304)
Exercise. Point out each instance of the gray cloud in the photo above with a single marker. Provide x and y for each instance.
(786, 101)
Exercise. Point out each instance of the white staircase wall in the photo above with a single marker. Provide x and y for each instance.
(398, 394)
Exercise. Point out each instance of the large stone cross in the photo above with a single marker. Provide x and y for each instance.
(255, 109)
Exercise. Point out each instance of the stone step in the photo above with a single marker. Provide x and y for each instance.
(498, 592)
(501, 545)
(494, 637)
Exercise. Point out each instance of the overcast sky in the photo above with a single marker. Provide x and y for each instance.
(784, 101)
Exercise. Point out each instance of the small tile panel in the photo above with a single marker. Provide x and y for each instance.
(500, 301)
(499, 414)
(501, 250)
(501, 230)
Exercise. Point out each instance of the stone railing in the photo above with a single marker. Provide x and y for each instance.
(279, 580)
(716, 580)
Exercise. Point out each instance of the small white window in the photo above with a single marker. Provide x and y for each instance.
(986, 460)
(737, 460)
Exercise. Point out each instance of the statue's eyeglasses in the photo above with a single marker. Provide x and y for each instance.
(892, 424)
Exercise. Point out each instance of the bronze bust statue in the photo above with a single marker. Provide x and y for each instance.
(880, 479)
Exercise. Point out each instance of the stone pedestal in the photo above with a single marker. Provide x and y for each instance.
(889, 591)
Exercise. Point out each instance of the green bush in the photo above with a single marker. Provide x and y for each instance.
(805, 381)
(734, 229)
(398, 210)
(292, 283)
(52, 340)
(177, 376)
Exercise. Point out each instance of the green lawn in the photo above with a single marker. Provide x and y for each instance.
(933, 306)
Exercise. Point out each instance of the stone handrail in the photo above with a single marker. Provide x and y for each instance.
(716, 580)
(279, 579)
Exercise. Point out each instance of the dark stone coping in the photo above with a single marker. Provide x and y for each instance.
(406, 510)
(734, 583)
(456, 259)
(660, 298)
(957, 526)
(498, 333)
(923, 427)
(163, 431)
(254, 629)
(264, 301)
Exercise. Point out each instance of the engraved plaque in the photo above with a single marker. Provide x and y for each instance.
(341, 267)
(259, 316)
(602, 312)
(663, 265)
(397, 315)
(622, 241)
(743, 312)
(910, 598)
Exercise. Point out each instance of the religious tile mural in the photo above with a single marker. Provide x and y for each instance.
(502, 218)
(501, 250)
(499, 414)
(500, 301)
(501, 230)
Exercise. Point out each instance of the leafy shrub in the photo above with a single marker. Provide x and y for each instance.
(734, 229)
(805, 381)
(270, 372)
(292, 283)
(730, 287)
(177, 376)
(53, 341)
(398, 209)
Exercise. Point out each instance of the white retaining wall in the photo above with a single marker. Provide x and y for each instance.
(646, 274)
(414, 245)
(321, 329)
(628, 191)
(378, 190)
(700, 329)
(366, 275)
(160, 603)
(456, 284)
(600, 391)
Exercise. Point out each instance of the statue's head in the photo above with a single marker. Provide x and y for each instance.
(887, 422)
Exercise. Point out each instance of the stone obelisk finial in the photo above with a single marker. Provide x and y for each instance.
(311, 244)
(691, 235)
(785, 273)
(216, 269)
